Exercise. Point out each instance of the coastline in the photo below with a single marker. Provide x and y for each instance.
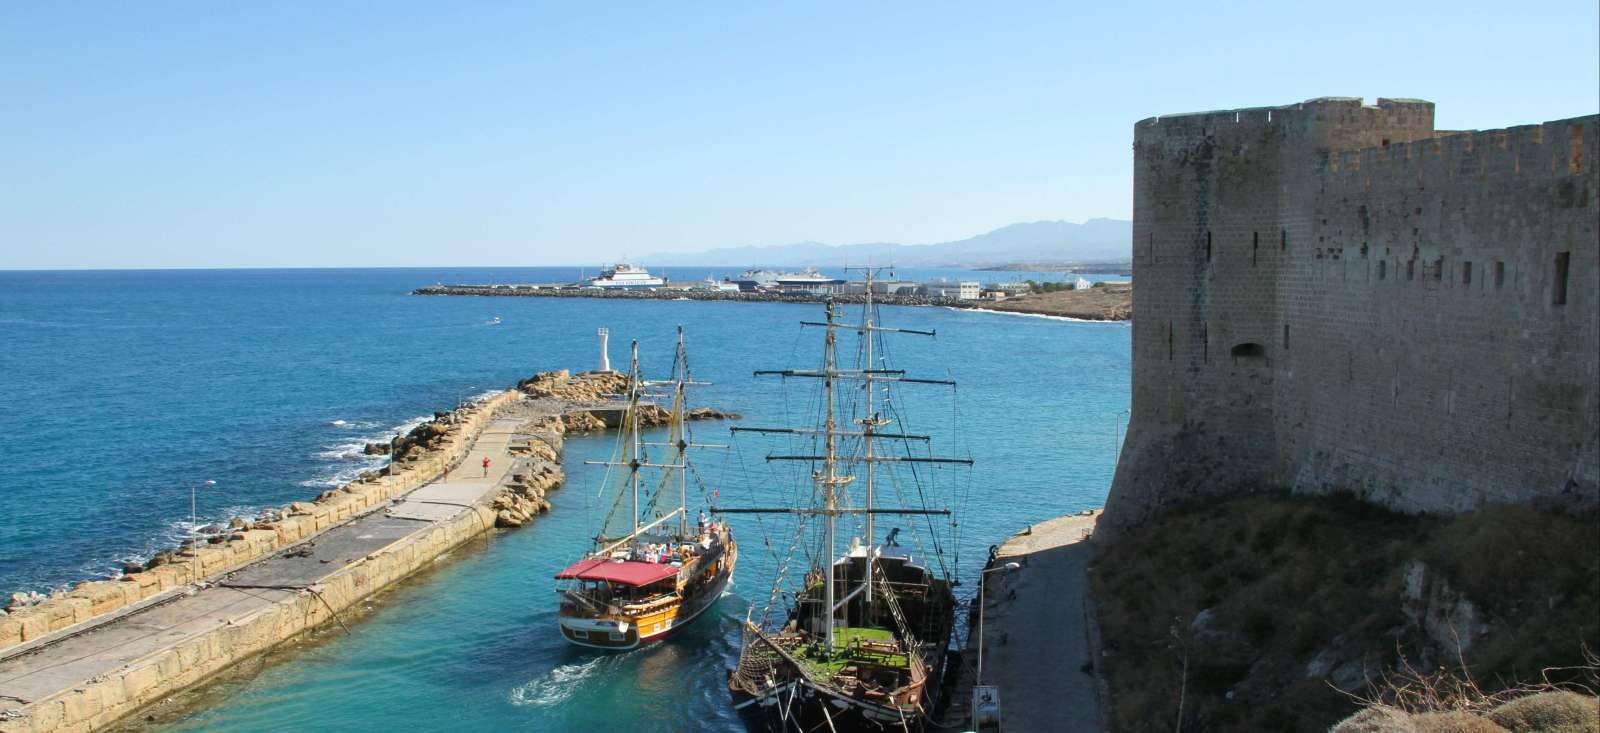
(1110, 303)
(88, 658)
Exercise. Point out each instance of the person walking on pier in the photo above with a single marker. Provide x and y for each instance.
(486, 467)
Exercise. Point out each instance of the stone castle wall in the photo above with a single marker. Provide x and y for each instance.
(1334, 296)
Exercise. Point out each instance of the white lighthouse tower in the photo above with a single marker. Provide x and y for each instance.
(605, 356)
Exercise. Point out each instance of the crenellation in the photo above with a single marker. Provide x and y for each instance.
(1429, 314)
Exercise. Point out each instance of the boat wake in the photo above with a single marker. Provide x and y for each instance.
(1047, 317)
(557, 686)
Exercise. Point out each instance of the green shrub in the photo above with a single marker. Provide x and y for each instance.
(1549, 712)
(1377, 719)
(1454, 721)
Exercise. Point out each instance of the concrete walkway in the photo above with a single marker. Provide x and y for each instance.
(83, 656)
(1040, 645)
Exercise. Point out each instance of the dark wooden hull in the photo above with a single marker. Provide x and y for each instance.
(800, 707)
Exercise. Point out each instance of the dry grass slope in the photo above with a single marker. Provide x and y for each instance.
(1276, 613)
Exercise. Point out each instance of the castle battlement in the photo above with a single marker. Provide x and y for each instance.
(1336, 296)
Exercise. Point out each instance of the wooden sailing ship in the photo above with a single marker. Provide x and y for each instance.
(652, 574)
(862, 645)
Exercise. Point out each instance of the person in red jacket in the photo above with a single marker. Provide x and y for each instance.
(486, 467)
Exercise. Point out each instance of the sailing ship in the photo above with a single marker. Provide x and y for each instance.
(652, 572)
(862, 644)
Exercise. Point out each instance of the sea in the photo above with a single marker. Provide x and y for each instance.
(140, 404)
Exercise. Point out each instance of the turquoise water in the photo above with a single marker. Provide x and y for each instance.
(128, 388)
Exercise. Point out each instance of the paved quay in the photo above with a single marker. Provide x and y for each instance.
(87, 676)
(1040, 644)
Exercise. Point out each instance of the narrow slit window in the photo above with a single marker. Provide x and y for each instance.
(1255, 246)
(1499, 275)
(1283, 240)
(1466, 273)
(1383, 268)
(1558, 295)
(1411, 270)
(1208, 246)
(1575, 149)
(1285, 337)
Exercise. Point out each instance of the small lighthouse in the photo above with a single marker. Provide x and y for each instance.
(605, 356)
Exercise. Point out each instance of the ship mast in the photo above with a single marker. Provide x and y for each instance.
(634, 388)
(679, 407)
(831, 479)
(828, 479)
(868, 422)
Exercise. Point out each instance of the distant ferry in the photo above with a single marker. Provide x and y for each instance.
(809, 281)
(624, 276)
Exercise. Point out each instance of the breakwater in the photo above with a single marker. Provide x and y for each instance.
(85, 658)
(534, 291)
(1095, 304)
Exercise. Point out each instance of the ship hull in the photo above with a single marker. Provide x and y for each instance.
(800, 707)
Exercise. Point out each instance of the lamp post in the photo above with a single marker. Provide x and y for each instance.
(982, 583)
(194, 526)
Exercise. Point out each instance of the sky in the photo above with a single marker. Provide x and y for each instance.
(191, 134)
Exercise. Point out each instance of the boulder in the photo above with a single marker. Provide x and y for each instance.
(377, 449)
(504, 518)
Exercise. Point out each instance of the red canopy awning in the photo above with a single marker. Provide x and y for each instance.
(625, 573)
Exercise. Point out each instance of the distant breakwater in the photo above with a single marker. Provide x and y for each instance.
(671, 294)
(1019, 305)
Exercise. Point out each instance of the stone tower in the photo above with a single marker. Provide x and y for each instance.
(1333, 296)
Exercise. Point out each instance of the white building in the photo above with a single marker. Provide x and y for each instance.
(965, 290)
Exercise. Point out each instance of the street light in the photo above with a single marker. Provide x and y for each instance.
(194, 526)
(982, 578)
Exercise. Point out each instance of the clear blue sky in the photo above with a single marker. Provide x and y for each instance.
(326, 134)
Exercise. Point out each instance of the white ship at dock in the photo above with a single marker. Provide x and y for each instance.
(624, 276)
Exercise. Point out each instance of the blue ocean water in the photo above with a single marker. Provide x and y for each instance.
(128, 389)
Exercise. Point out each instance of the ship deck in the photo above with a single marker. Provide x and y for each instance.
(850, 649)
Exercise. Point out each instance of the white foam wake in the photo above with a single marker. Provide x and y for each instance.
(555, 687)
(1039, 315)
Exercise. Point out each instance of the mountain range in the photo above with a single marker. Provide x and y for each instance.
(1095, 240)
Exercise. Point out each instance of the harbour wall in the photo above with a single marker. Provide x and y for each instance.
(1338, 297)
(101, 701)
(87, 601)
(257, 619)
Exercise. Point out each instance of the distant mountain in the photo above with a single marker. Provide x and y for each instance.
(1096, 240)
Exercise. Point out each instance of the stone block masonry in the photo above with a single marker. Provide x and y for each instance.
(1334, 296)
